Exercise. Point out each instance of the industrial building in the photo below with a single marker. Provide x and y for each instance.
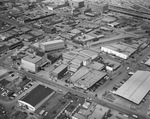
(96, 66)
(54, 57)
(52, 45)
(80, 73)
(78, 61)
(83, 39)
(32, 62)
(32, 99)
(136, 87)
(59, 72)
(89, 53)
(89, 79)
(119, 49)
(77, 3)
(69, 55)
(111, 65)
(96, 7)
(14, 43)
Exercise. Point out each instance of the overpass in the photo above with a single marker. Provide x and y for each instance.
(130, 12)
(111, 39)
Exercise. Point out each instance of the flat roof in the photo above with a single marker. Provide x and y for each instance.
(109, 19)
(112, 63)
(80, 73)
(136, 87)
(59, 69)
(33, 59)
(37, 95)
(52, 42)
(91, 78)
(96, 66)
(121, 48)
(84, 38)
(89, 53)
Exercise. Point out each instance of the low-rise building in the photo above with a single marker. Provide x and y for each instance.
(14, 43)
(59, 72)
(80, 73)
(89, 53)
(31, 101)
(84, 39)
(52, 45)
(96, 66)
(119, 49)
(32, 62)
(89, 79)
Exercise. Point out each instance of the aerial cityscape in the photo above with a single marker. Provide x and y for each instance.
(74, 59)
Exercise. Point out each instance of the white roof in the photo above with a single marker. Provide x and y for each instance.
(147, 62)
(52, 42)
(136, 87)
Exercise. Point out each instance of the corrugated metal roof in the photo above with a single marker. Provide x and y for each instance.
(59, 69)
(96, 66)
(80, 73)
(136, 87)
(91, 78)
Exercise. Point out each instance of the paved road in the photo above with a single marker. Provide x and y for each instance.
(55, 84)
(99, 101)
(129, 12)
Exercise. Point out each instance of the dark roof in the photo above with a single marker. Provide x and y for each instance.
(4, 82)
(37, 95)
(3, 48)
(40, 53)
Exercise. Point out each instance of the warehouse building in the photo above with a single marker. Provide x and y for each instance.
(32, 62)
(59, 72)
(14, 43)
(119, 49)
(89, 53)
(109, 19)
(89, 79)
(33, 99)
(77, 3)
(54, 57)
(136, 87)
(73, 68)
(96, 7)
(52, 45)
(84, 39)
(69, 55)
(96, 66)
(84, 58)
(80, 73)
